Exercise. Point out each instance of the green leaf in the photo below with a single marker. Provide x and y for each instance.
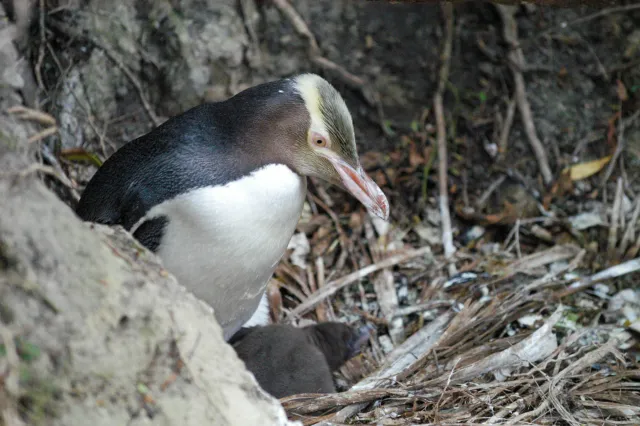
(573, 317)
(28, 351)
(142, 389)
(386, 126)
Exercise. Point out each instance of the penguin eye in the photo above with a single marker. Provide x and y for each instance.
(319, 141)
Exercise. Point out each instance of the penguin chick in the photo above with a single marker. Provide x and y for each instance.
(288, 360)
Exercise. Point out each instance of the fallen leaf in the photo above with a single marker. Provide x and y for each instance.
(78, 155)
(623, 95)
(415, 159)
(563, 72)
(584, 170)
(368, 41)
(611, 131)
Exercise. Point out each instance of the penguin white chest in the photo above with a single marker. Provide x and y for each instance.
(223, 243)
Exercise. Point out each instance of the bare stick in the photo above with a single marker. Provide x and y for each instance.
(516, 59)
(25, 113)
(43, 134)
(504, 133)
(10, 379)
(384, 287)
(620, 145)
(298, 24)
(43, 42)
(601, 13)
(633, 251)
(616, 212)
(315, 55)
(333, 286)
(482, 200)
(422, 307)
(447, 234)
(607, 274)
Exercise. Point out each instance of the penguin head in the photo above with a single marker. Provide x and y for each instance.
(328, 151)
(339, 342)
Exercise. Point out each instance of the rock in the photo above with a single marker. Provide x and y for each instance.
(106, 319)
(174, 55)
(94, 330)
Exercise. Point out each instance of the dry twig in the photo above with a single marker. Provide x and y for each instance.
(601, 13)
(506, 129)
(629, 233)
(517, 63)
(447, 233)
(613, 272)
(384, 286)
(622, 124)
(616, 213)
(315, 55)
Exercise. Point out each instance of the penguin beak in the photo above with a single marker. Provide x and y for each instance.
(360, 185)
(359, 338)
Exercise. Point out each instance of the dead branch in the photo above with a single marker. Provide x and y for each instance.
(447, 233)
(616, 214)
(553, 3)
(629, 233)
(613, 272)
(383, 284)
(622, 124)
(504, 133)
(517, 63)
(312, 403)
(43, 42)
(301, 27)
(601, 13)
(25, 113)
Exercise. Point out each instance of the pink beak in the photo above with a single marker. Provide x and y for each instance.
(361, 186)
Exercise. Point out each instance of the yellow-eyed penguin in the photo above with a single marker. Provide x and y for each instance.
(217, 191)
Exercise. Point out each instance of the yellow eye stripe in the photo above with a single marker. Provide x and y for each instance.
(307, 86)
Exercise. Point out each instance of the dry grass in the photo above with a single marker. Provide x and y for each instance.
(472, 371)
